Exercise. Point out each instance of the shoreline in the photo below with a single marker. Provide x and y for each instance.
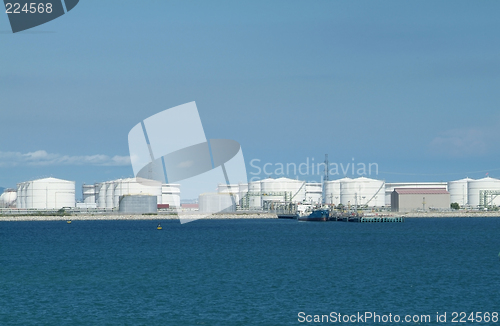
(112, 217)
(116, 217)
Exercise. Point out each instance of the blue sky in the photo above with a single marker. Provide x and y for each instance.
(410, 85)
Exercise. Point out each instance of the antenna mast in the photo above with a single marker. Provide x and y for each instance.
(326, 167)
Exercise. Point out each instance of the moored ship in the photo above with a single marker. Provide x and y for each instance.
(317, 215)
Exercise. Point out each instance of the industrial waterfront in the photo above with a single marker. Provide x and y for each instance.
(267, 196)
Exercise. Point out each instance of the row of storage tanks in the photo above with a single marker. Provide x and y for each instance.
(258, 194)
(255, 195)
(346, 191)
(107, 194)
(52, 193)
(371, 192)
(466, 191)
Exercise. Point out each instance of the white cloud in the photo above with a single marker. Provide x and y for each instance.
(42, 158)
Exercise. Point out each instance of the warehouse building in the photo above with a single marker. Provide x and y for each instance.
(389, 188)
(413, 199)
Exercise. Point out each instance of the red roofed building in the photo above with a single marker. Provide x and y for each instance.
(412, 199)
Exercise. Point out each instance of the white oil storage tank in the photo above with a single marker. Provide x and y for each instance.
(363, 191)
(332, 191)
(137, 204)
(459, 191)
(229, 189)
(117, 192)
(314, 193)
(139, 186)
(48, 193)
(21, 196)
(216, 202)
(254, 195)
(371, 191)
(171, 194)
(101, 194)
(8, 198)
(348, 191)
(242, 190)
(475, 186)
(88, 192)
(110, 190)
(283, 189)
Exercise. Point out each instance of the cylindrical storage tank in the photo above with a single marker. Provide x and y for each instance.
(458, 190)
(8, 198)
(35, 198)
(233, 189)
(88, 192)
(20, 197)
(101, 200)
(138, 186)
(117, 192)
(254, 186)
(332, 191)
(347, 191)
(216, 202)
(130, 186)
(242, 191)
(110, 190)
(254, 196)
(370, 192)
(269, 188)
(226, 189)
(273, 189)
(475, 186)
(96, 191)
(138, 204)
(50, 193)
(63, 193)
(25, 194)
(314, 193)
(171, 194)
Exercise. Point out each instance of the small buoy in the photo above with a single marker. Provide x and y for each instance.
(159, 227)
(68, 221)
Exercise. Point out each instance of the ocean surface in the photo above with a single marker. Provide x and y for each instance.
(246, 272)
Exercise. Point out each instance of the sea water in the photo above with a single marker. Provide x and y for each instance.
(247, 272)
